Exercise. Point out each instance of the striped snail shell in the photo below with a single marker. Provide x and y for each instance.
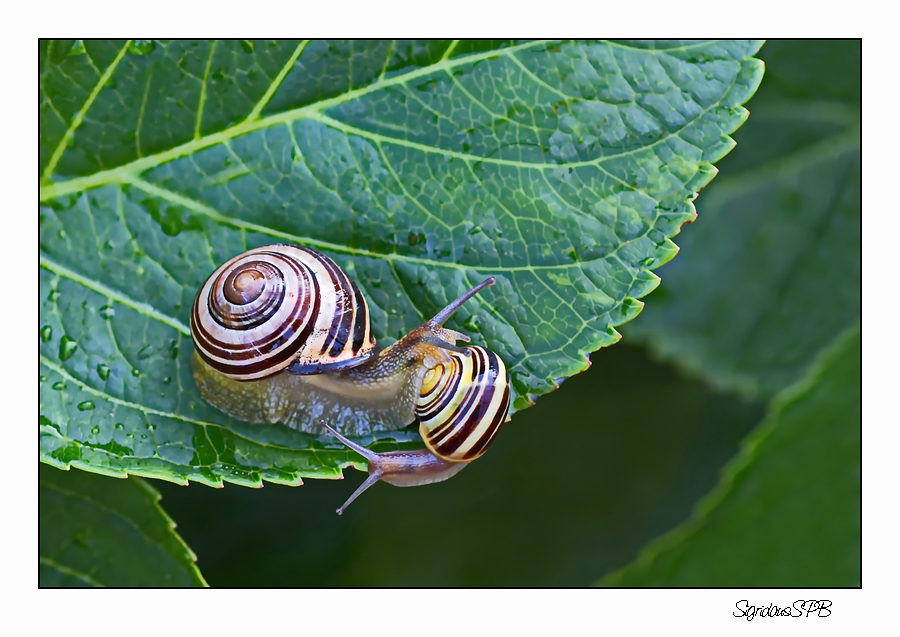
(462, 404)
(280, 307)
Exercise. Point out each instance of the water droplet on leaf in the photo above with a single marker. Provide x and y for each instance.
(141, 47)
(86, 405)
(107, 312)
(59, 385)
(46, 333)
(76, 48)
(67, 347)
(103, 371)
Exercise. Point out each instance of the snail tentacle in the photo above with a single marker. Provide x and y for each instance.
(439, 342)
(441, 317)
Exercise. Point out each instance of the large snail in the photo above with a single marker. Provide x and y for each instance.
(282, 335)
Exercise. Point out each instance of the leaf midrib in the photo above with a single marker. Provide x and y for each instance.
(314, 112)
(56, 189)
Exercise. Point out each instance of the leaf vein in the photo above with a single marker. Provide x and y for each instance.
(79, 117)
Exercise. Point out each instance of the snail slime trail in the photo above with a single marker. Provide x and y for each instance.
(282, 335)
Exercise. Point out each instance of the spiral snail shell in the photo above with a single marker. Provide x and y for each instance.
(280, 307)
(462, 404)
(282, 335)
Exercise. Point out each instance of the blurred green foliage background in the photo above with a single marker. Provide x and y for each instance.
(780, 227)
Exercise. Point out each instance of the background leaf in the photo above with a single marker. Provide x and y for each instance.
(100, 532)
(770, 271)
(789, 505)
(561, 168)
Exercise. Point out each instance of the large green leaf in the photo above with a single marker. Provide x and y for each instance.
(771, 269)
(787, 512)
(100, 532)
(560, 168)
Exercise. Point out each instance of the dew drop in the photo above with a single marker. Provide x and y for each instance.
(76, 48)
(46, 333)
(135, 372)
(119, 425)
(86, 405)
(53, 296)
(141, 47)
(44, 379)
(67, 347)
(107, 312)
(59, 385)
(174, 348)
(103, 371)
(95, 430)
(145, 352)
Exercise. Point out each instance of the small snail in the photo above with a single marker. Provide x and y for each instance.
(461, 405)
(282, 335)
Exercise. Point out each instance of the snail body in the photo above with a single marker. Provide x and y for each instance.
(282, 335)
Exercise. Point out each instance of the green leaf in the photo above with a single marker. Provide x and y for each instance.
(563, 169)
(100, 532)
(771, 270)
(787, 511)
